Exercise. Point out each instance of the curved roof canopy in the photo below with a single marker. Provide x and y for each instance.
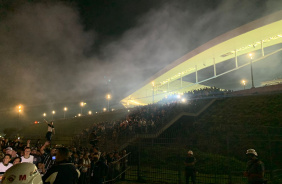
(256, 35)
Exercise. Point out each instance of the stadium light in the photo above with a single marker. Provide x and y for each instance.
(20, 107)
(65, 110)
(244, 83)
(251, 63)
(82, 104)
(108, 98)
(53, 112)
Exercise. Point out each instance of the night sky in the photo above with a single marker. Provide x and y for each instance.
(58, 53)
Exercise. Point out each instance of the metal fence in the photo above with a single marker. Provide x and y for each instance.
(220, 159)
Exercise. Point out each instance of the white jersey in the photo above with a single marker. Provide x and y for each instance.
(3, 168)
(29, 159)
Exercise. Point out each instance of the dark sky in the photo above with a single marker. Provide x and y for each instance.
(58, 53)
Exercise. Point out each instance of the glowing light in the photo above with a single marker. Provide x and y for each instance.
(153, 83)
(53, 112)
(243, 82)
(79, 115)
(183, 100)
(104, 109)
(44, 114)
(108, 96)
(20, 107)
(89, 112)
(82, 104)
(178, 96)
(65, 108)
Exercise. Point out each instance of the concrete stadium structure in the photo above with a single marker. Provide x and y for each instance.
(252, 37)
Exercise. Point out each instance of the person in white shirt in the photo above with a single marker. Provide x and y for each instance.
(5, 165)
(27, 157)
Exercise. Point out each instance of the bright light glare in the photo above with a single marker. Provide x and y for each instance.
(53, 112)
(108, 96)
(104, 109)
(89, 112)
(79, 115)
(65, 109)
(178, 96)
(44, 114)
(183, 100)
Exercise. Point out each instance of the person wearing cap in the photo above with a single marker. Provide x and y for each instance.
(12, 152)
(190, 170)
(25, 173)
(255, 168)
(62, 172)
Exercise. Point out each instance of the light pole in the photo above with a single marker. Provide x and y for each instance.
(153, 92)
(244, 83)
(108, 98)
(20, 110)
(82, 104)
(251, 63)
(53, 112)
(65, 110)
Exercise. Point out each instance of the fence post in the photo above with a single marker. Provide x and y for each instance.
(138, 162)
(227, 149)
(179, 170)
(270, 156)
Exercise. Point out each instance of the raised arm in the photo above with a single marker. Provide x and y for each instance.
(28, 143)
(43, 147)
(46, 121)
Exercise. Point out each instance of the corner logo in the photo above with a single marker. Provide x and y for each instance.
(10, 178)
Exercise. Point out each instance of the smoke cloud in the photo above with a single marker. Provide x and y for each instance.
(44, 46)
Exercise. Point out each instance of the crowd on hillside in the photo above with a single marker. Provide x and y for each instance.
(84, 159)
(148, 119)
(140, 120)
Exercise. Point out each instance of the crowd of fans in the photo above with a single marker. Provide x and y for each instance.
(109, 165)
(91, 162)
(147, 119)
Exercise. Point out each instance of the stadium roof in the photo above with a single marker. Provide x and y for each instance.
(256, 35)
